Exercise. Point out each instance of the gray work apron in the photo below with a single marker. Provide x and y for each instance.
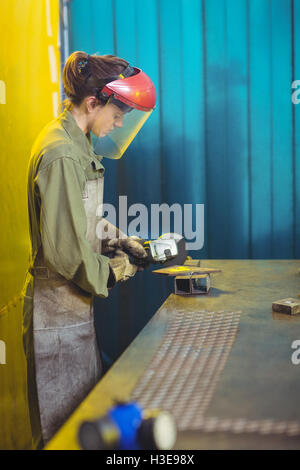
(67, 360)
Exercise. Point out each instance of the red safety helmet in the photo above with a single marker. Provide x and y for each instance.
(137, 91)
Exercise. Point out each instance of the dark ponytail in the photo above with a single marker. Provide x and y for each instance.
(84, 75)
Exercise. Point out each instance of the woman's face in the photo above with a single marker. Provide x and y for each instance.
(105, 118)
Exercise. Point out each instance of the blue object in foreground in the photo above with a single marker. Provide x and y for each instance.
(127, 426)
(128, 417)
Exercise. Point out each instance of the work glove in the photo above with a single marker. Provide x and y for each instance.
(106, 232)
(120, 268)
(114, 239)
(130, 245)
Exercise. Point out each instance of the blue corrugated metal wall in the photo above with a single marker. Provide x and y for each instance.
(225, 132)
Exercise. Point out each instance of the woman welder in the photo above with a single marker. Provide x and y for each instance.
(112, 100)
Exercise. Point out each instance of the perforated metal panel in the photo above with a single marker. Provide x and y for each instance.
(244, 426)
(184, 372)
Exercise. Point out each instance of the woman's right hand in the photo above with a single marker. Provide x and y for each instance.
(121, 268)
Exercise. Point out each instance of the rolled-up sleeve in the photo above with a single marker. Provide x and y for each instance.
(63, 226)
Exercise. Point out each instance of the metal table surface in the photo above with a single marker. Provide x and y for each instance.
(258, 384)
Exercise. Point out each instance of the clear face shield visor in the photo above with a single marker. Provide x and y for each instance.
(114, 144)
(135, 96)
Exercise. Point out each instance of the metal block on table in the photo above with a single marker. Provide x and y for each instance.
(289, 306)
(196, 284)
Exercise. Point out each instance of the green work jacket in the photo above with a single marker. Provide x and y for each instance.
(61, 162)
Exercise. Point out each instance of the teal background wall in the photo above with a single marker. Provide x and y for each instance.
(225, 131)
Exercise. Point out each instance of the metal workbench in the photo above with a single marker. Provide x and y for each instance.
(252, 400)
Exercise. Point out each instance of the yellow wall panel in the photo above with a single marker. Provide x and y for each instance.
(29, 98)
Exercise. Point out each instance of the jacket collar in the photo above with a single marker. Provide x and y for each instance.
(81, 140)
